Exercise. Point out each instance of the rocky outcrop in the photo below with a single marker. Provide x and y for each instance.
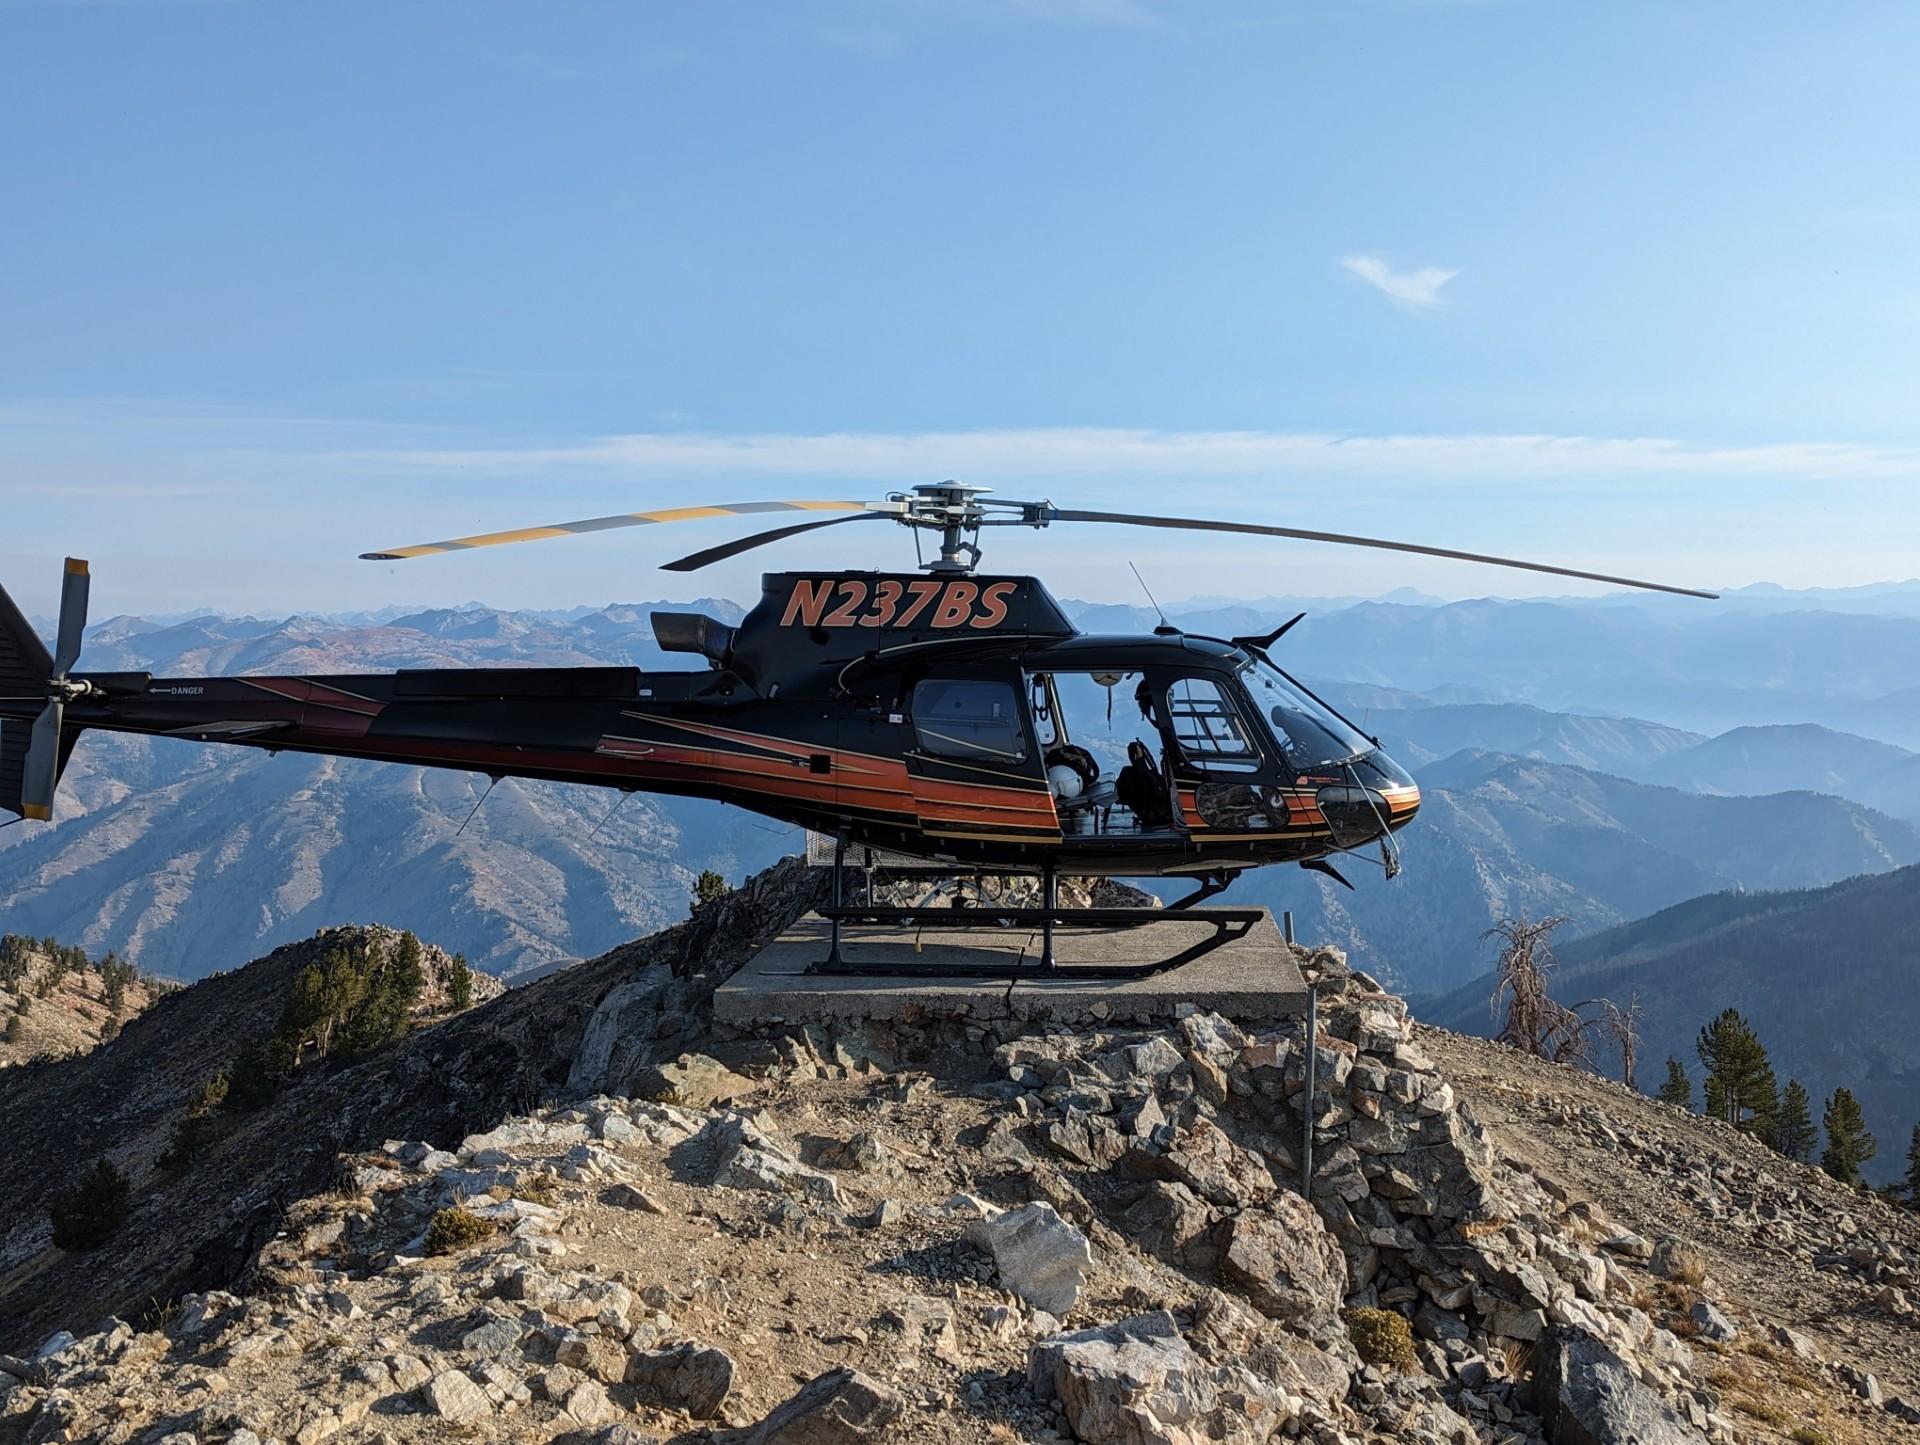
(201, 1229)
(944, 1229)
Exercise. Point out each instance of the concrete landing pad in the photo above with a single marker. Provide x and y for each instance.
(1251, 979)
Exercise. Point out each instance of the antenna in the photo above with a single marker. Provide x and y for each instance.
(1164, 626)
(493, 781)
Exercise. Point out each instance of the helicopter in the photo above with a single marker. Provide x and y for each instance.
(924, 713)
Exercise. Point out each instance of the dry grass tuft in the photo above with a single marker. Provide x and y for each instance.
(1688, 1267)
(539, 1188)
(1517, 1357)
(1761, 1409)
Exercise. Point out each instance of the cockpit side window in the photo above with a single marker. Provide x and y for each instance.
(968, 719)
(1208, 727)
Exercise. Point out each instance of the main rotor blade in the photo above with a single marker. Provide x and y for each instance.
(603, 524)
(73, 616)
(1254, 529)
(42, 767)
(697, 560)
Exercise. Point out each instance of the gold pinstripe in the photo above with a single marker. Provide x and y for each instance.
(602, 524)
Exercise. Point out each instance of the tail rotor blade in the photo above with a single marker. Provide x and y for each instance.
(73, 617)
(42, 769)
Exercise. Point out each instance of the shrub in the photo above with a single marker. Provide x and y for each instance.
(1383, 1337)
(456, 1228)
(1807, 1435)
(192, 1133)
(207, 1095)
(86, 1215)
(16, 1027)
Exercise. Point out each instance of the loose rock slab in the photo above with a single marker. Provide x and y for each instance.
(841, 1407)
(1589, 1396)
(1041, 1257)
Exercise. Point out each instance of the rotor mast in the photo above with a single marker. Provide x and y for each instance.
(957, 512)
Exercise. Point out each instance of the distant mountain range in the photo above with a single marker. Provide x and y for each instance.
(1500, 836)
(1829, 978)
(190, 859)
(1745, 761)
(1693, 665)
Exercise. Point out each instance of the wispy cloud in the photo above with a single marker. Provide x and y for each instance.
(1417, 290)
(1043, 455)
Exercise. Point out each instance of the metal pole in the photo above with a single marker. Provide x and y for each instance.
(839, 869)
(1313, 1047)
(1049, 900)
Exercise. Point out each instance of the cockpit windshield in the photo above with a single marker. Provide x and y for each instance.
(1309, 735)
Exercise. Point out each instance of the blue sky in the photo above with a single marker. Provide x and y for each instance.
(1631, 286)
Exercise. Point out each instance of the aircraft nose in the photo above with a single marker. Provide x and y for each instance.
(1405, 804)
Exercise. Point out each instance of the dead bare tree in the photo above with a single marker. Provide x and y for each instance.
(1535, 1021)
(1622, 1026)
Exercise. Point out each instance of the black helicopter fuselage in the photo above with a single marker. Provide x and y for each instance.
(910, 713)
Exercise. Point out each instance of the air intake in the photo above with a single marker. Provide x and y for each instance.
(693, 632)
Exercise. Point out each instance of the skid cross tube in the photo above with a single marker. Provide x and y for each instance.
(1228, 924)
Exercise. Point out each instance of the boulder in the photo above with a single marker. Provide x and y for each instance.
(693, 1081)
(1210, 1164)
(1588, 1395)
(1137, 1382)
(1711, 1321)
(927, 1325)
(455, 1398)
(1171, 1221)
(686, 1377)
(587, 1403)
(1041, 1257)
(1284, 1260)
(841, 1407)
(748, 1159)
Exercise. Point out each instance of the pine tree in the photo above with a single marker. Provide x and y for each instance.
(253, 1078)
(460, 982)
(1849, 1145)
(708, 887)
(1913, 1169)
(1740, 1087)
(1794, 1135)
(1678, 1089)
(86, 1215)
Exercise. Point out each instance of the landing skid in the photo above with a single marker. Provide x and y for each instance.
(1228, 925)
